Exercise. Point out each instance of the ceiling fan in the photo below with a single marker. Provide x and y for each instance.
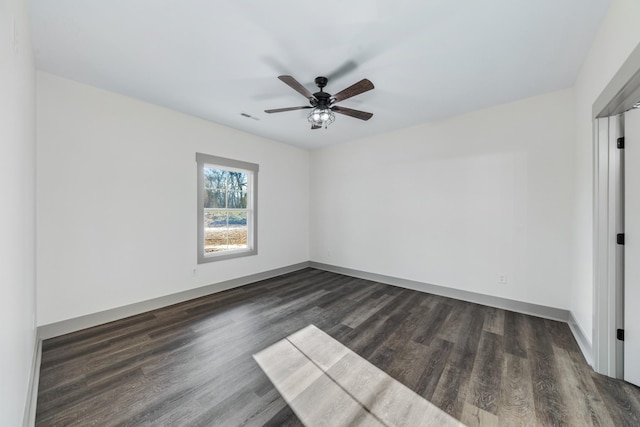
(323, 103)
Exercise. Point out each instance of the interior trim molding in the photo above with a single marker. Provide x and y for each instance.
(497, 302)
(29, 418)
(583, 341)
(90, 320)
(620, 94)
(71, 325)
(623, 91)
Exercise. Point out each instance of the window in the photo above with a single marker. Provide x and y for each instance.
(227, 208)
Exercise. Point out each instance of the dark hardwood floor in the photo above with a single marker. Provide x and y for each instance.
(192, 364)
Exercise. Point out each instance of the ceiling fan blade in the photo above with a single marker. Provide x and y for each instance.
(293, 83)
(280, 110)
(316, 127)
(362, 115)
(353, 90)
(343, 70)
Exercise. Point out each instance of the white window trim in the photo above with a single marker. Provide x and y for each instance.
(252, 218)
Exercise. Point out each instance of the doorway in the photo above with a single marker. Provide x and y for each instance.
(609, 254)
(610, 203)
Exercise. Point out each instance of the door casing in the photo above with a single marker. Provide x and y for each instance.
(622, 92)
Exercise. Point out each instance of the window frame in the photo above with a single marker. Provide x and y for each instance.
(224, 163)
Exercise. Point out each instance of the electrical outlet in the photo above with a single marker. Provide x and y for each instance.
(502, 279)
(328, 254)
(194, 272)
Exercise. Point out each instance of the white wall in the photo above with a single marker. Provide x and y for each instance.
(457, 202)
(116, 193)
(17, 211)
(618, 35)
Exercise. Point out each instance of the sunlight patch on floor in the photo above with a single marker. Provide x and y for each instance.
(325, 383)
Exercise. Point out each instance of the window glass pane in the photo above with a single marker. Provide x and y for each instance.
(219, 199)
(226, 208)
(238, 181)
(217, 219)
(238, 188)
(237, 218)
(215, 179)
(238, 230)
(208, 198)
(216, 231)
(214, 199)
(236, 200)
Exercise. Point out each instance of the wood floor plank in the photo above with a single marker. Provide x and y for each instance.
(435, 318)
(367, 309)
(192, 363)
(584, 404)
(494, 320)
(453, 388)
(237, 409)
(284, 418)
(453, 324)
(95, 334)
(401, 362)
(465, 350)
(451, 392)
(516, 334)
(473, 416)
(550, 404)
(433, 365)
(487, 373)
(516, 407)
(622, 410)
(561, 336)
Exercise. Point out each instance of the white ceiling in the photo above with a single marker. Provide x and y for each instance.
(429, 59)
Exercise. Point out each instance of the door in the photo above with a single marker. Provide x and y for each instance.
(632, 247)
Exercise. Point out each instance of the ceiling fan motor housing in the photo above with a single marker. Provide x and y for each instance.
(321, 82)
(323, 99)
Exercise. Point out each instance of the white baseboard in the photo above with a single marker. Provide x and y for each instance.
(75, 324)
(71, 325)
(583, 341)
(504, 303)
(518, 306)
(29, 418)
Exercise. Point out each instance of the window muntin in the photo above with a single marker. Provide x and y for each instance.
(226, 208)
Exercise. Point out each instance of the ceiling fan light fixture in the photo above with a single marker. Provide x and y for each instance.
(322, 103)
(322, 117)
